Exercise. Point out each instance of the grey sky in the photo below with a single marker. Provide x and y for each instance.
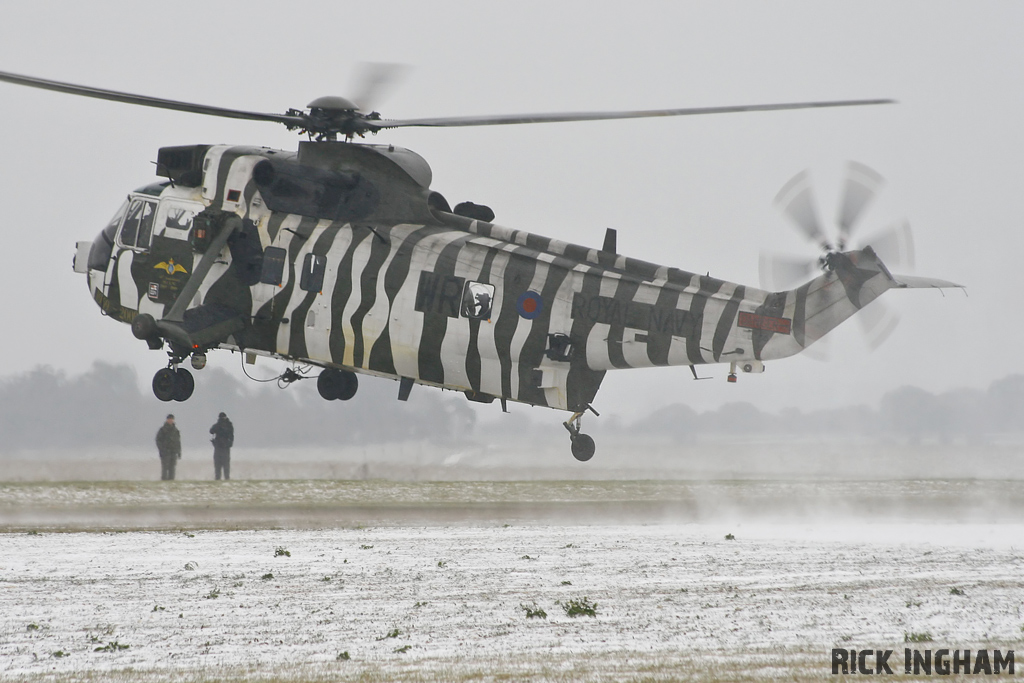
(691, 192)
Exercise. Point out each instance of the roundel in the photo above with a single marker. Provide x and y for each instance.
(530, 305)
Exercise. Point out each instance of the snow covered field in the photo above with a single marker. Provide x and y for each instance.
(434, 600)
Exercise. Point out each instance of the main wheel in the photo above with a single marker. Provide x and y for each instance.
(350, 385)
(583, 447)
(330, 384)
(164, 383)
(184, 385)
(337, 385)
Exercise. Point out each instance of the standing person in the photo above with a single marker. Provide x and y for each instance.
(223, 439)
(168, 445)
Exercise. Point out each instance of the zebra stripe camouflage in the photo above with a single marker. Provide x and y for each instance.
(370, 272)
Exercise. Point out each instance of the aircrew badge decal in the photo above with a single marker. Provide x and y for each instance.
(171, 267)
(530, 305)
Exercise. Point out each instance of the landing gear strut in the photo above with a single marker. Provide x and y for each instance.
(173, 384)
(337, 385)
(583, 446)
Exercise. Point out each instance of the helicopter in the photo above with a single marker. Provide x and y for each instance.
(340, 256)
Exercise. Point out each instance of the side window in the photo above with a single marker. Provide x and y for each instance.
(477, 300)
(273, 265)
(174, 219)
(179, 218)
(138, 224)
(312, 277)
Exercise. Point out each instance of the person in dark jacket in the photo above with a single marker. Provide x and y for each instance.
(223, 439)
(168, 445)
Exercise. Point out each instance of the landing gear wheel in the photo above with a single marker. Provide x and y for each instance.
(165, 382)
(329, 384)
(337, 385)
(583, 447)
(184, 385)
(350, 386)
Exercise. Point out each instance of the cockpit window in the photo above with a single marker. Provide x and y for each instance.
(103, 245)
(116, 220)
(138, 224)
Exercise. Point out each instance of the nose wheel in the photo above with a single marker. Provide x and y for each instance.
(173, 384)
(583, 445)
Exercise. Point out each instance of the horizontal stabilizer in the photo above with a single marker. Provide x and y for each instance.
(912, 282)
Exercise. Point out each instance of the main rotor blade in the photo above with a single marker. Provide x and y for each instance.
(147, 101)
(796, 200)
(861, 186)
(508, 119)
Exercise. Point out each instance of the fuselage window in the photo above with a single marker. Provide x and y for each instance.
(138, 224)
(273, 265)
(477, 300)
(179, 218)
(312, 277)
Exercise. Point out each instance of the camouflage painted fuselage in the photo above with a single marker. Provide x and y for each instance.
(341, 256)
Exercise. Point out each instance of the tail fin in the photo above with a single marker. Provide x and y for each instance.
(854, 279)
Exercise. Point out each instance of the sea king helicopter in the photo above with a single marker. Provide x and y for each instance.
(339, 256)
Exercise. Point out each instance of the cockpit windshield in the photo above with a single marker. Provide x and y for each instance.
(103, 245)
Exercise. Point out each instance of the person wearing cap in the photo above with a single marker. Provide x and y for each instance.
(168, 445)
(223, 439)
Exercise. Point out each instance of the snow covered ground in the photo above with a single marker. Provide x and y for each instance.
(432, 600)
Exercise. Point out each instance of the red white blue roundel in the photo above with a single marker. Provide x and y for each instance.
(530, 305)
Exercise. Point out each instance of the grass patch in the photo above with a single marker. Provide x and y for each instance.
(533, 611)
(281, 552)
(924, 637)
(393, 633)
(581, 607)
(112, 646)
(269, 576)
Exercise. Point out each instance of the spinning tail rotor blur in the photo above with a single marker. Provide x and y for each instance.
(894, 245)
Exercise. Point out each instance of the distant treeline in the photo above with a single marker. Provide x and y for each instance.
(105, 407)
(907, 414)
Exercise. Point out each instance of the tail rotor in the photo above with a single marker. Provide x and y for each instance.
(893, 245)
